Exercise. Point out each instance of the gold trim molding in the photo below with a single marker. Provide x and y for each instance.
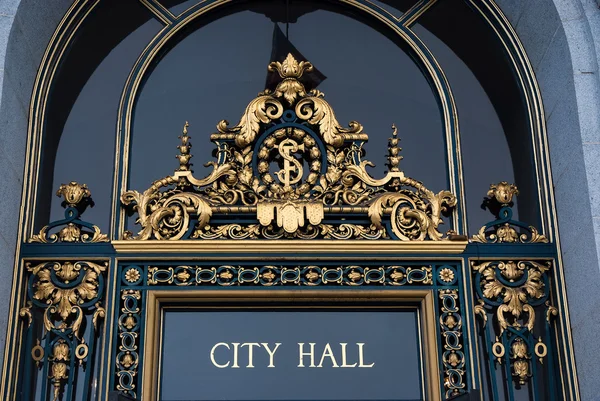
(295, 247)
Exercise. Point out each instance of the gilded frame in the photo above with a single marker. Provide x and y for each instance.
(156, 298)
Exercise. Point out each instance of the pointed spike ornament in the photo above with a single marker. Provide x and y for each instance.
(394, 151)
(184, 150)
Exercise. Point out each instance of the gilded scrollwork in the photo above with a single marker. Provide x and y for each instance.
(77, 197)
(504, 229)
(512, 291)
(287, 166)
(65, 293)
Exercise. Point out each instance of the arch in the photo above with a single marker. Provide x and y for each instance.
(563, 58)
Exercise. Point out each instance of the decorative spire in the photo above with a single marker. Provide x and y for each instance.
(184, 149)
(394, 151)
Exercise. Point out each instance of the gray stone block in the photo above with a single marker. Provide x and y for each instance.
(581, 45)
(591, 153)
(6, 23)
(11, 199)
(569, 9)
(19, 66)
(9, 7)
(512, 9)
(574, 218)
(38, 25)
(587, 88)
(555, 74)
(563, 136)
(13, 128)
(7, 257)
(536, 28)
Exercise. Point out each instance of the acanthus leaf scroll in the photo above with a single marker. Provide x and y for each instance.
(288, 169)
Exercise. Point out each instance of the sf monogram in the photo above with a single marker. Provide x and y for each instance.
(290, 164)
(225, 355)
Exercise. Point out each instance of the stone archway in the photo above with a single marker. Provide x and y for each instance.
(561, 38)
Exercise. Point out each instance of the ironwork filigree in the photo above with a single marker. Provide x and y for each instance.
(66, 292)
(453, 357)
(511, 291)
(504, 229)
(129, 324)
(443, 279)
(286, 167)
(77, 197)
(228, 275)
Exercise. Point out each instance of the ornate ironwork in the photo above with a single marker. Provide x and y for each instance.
(129, 326)
(293, 169)
(512, 291)
(280, 276)
(443, 279)
(504, 229)
(77, 197)
(66, 293)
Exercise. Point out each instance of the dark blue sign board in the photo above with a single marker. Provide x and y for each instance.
(291, 354)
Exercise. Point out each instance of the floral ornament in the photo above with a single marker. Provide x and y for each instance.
(53, 287)
(132, 275)
(446, 275)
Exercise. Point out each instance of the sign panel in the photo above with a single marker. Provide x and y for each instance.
(291, 354)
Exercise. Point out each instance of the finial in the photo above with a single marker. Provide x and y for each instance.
(394, 151)
(184, 149)
(503, 192)
(291, 68)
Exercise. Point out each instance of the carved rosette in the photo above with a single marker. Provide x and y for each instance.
(512, 291)
(77, 197)
(283, 171)
(66, 293)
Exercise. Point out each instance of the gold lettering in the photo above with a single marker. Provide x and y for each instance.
(250, 353)
(235, 355)
(344, 364)
(361, 360)
(271, 353)
(311, 353)
(212, 355)
(327, 352)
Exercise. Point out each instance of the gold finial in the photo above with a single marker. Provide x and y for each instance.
(291, 68)
(394, 151)
(503, 192)
(184, 149)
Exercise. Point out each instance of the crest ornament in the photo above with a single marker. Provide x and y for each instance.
(289, 169)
